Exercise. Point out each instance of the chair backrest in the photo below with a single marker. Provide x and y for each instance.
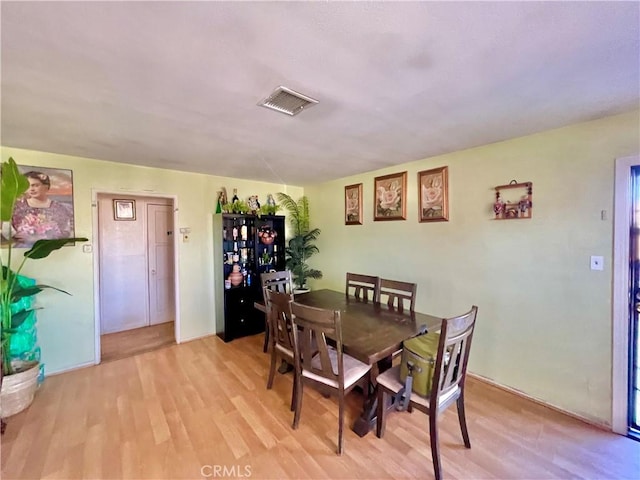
(279, 317)
(362, 285)
(278, 281)
(397, 292)
(453, 355)
(311, 327)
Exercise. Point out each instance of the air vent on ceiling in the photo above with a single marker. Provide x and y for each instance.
(287, 101)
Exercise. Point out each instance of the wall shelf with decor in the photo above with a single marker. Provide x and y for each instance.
(514, 201)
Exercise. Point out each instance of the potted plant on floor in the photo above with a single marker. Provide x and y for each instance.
(301, 246)
(14, 378)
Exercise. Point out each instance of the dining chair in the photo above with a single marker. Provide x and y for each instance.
(397, 292)
(330, 370)
(362, 285)
(448, 382)
(280, 282)
(282, 340)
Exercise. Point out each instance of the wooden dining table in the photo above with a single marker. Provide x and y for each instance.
(372, 333)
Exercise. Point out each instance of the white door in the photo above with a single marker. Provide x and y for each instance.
(123, 270)
(135, 264)
(160, 250)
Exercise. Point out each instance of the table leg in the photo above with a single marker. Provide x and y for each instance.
(367, 420)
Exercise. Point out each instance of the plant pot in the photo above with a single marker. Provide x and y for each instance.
(301, 290)
(18, 390)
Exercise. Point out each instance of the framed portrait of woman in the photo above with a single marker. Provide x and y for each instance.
(45, 211)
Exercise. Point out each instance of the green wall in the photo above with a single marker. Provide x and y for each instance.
(544, 324)
(66, 324)
(544, 321)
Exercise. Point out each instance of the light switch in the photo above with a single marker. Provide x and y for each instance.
(87, 248)
(597, 262)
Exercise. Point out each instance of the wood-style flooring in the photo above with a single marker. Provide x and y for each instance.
(201, 410)
(118, 345)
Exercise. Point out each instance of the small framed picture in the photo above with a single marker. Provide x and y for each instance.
(353, 204)
(124, 209)
(390, 197)
(434, 195)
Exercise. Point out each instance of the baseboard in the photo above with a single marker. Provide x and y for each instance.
(197, 337)
(599, 425)
(70, 369)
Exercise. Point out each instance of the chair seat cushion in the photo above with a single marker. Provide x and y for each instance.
(354, 369)
(391, 381)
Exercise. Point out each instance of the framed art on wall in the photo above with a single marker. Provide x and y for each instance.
(124, 209)
(390, 197)
(45, 211)
(434, 195)
(353, 204)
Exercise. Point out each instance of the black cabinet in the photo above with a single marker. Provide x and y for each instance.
(244, 247)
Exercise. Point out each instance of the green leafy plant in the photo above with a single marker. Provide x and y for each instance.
(13, 185)
(301, 246)
(239, 206)
(267, 209)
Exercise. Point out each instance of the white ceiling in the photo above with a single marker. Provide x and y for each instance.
(175, 84)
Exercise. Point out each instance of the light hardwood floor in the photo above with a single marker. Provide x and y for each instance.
(201, 410)
(114, 346)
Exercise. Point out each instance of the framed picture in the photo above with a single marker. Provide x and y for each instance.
(124, 209)
(434, 195)
(390, 197)
(45, 211)
(353, 204)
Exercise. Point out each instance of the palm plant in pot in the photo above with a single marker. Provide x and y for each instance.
(301, 246)
(12, 312)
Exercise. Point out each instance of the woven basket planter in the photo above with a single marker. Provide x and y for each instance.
(18, 391)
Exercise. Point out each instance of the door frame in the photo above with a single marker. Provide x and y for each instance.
(620, 303)
(96, 260)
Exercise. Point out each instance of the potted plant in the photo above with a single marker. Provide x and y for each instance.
(12, 314)
(301, 246)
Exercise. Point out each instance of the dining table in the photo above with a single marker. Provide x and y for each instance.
(371, 332)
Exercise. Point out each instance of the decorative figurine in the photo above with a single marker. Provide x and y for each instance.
(223, 196)
(254, 204)
(498, 207)
(270, 201)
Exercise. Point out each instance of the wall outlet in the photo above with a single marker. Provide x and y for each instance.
(597, 262)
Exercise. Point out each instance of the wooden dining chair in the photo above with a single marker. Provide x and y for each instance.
(363, 285)
(279, 282)
(396, 293)
(329, 370)
(448, 382)
(281, 326)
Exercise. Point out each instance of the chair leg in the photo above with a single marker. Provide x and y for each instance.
(294, 391)
(463, 421)
(340, 422)
(296, 415)
(272, 368)
(381, 412)
(435, 449)
(266, 336)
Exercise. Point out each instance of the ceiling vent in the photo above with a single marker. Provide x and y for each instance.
(287, 101)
